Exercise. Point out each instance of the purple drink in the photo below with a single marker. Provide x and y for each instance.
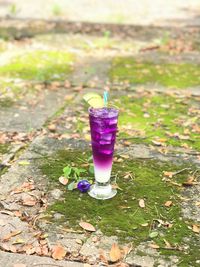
(103, 125)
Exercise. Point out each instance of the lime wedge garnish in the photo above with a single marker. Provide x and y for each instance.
(94, 100)
(88, 96)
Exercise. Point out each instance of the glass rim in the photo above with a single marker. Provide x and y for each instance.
(111, 107)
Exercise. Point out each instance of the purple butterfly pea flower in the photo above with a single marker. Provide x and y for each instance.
(83, 186)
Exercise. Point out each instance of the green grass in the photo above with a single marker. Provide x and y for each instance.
(122, 215)
(170, 75)
(167, 114)
(39, 65)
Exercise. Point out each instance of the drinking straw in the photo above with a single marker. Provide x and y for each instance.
(105, 98)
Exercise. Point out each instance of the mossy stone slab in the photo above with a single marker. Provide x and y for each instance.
(39, 65)
(173, 120)
(171, 75)
(122, 216)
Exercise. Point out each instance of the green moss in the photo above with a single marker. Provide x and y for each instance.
(122, 215)
(170, 75)
(39, 65)
(166, 116)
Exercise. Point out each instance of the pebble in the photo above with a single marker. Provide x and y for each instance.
(56, 193)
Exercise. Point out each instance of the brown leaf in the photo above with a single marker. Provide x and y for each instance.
(28, 201)
(141, 203)
(196, 228)
(116, 186)
(189, 181)
(157, 143)
(58, 252)
(11, 234)
(168, 174)
(25, 187)
(154, 246)
(115, 253)
(29, 249)
(45, 250)
(17, 213)
(124, 156)
(87, 226)
(102, 256)
(168, 203)
(52, 127)
(127, 249)
(63, 180)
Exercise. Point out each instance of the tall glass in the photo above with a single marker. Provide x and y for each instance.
(103, 127)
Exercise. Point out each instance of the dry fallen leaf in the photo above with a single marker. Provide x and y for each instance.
(87, 226)
(124, 156)
(196, 228)
(52, 127)
(29, 249)
(154, 246)
(25, 187)
(63, 180)
(127, 250)
(115, 253)
(19, 265)
(189, 181)
(141, 203)
(157, 143)
(168, 174)
(28, 201)
(197, 203)
(102, 256)
(168, 203)
(11, 234)
(45, 250)
(58, 252)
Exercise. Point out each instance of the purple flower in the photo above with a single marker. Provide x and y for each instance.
(83, 186)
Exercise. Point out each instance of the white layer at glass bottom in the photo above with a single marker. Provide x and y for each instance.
(102, 175)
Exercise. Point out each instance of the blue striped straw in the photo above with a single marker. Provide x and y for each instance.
(105, 98)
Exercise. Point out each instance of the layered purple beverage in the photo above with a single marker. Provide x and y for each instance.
(103, 126)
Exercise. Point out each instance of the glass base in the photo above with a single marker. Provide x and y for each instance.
(102, 191)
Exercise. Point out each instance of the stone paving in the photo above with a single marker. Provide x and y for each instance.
(47, 116)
